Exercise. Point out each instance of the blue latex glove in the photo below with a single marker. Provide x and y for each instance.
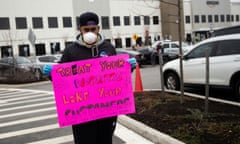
(47, 69)
(133, 62)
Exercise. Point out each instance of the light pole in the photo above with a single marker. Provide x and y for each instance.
(180, 50)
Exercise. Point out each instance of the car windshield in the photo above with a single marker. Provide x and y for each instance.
(22, 60)
(155, 44)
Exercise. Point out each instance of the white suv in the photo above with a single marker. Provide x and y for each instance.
(224, 58)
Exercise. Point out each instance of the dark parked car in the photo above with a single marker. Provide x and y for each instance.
(18, 69)
(146, 54)
(137, 55)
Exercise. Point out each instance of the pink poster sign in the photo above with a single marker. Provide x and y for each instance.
(92, 89)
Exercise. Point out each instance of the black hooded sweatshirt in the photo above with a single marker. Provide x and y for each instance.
(80, 51)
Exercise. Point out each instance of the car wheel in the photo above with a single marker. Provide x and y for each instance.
(172, 81)
(237, 89)
(38, 74)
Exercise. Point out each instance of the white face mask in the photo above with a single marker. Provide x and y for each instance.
(90, 38)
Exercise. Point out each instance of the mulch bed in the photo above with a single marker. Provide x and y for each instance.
(188, 122)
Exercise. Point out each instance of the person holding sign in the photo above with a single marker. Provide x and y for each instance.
(90, 44)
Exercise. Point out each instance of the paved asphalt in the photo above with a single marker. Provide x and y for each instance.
(29, 117)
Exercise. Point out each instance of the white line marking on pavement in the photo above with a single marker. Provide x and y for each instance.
(28, 120)
(57, 140)
(25, 101)
(3, 101)
(27, 90)
(24, 97)
(129, 136)
(26, 106)
(28, 131)
(27, 112)
(5, 92)
(15, 95)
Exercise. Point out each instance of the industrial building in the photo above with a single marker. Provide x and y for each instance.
(46, 27)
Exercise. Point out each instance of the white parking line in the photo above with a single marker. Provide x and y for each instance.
(28, 131)
(3, 101)
(15, 95)
(57, 140)
(26, 106)
(27, 112)
(3, 91)
(9, 93)
(26, 101)
(26, 90)
(24, 97)
(22, 121)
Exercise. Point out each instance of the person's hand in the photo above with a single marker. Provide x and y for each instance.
(47, 69)
(133, 62)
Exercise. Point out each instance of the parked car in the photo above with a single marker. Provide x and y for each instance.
(224, 57)
(137, 55)
(19, 69)
(145, 53)
(168, 48)
(46, 59)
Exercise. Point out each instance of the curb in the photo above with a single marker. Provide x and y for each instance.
(147, 132)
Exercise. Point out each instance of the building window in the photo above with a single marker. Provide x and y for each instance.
(228, 18)
(21, 22)
(77, 21)
(126, 20)
(40, 49)
(210, 19)
(55, 47)
(68, 43)
(118, 43)
(116, 21)
(24, 50)
(232, 18)
(4, 23)
(196, 18)
(37, 22)
(237, 18)
(222, 18)
(216, 18)
(105, 22)
(6, 51)
(203, 17)
(137, 20)
(128, 42)
(52, 22)
(187, 19)
(67, 22)
(155, 20)
(146, 20)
